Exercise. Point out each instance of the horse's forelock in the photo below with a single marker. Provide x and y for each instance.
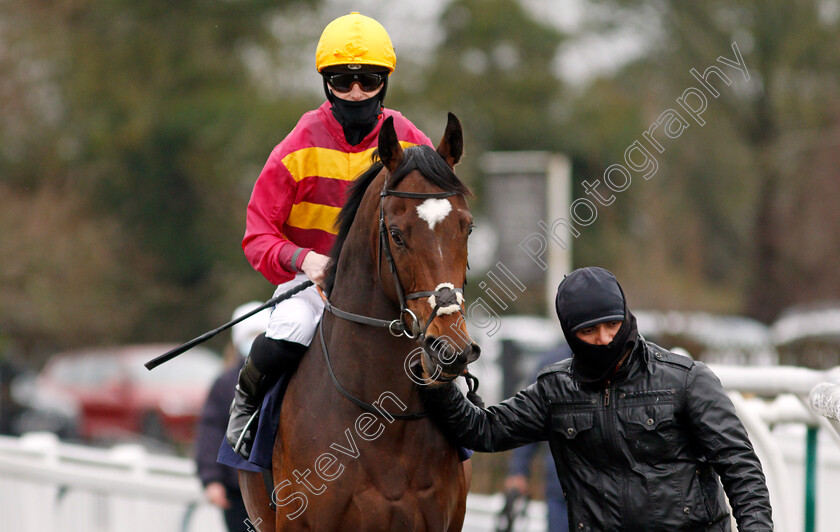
(428, 162)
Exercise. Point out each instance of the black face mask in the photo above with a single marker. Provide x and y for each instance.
(588, 297)
(356, 118)
(596, 363)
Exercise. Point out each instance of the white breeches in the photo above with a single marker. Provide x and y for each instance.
(296, 318)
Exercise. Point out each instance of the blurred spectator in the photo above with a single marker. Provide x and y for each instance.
(520, 463)
(10, 409)
(221, 483)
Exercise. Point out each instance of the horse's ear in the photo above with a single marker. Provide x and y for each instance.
(390, 152)
(451, 146)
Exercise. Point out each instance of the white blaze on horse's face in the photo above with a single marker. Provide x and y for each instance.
(434, 210)
(449, 309)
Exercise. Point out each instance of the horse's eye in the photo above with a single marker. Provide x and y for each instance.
(472, 226)
(397, 237)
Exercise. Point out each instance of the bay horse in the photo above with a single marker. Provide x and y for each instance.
(354, 449)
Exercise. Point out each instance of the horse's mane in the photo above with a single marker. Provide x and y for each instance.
(421, 158)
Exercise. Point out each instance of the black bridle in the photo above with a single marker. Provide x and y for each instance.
(444, 297)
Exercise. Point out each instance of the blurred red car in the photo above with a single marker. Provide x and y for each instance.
(117, 397)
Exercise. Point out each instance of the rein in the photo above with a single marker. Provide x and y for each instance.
(397, 327)
(367, 407)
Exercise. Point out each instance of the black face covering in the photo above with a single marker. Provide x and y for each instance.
(356, 118)
(587, 297)
(596, 363)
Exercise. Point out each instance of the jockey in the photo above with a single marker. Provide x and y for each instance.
(291, 215)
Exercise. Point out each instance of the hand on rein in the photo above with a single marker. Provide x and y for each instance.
(315, 267)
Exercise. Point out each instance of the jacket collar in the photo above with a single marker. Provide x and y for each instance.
(639, 357)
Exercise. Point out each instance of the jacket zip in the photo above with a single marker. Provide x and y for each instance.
(611, 432)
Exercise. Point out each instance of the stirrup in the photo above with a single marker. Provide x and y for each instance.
(247, 426)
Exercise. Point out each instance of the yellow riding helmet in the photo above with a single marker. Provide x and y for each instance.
(355, 39)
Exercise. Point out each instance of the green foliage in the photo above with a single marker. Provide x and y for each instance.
(144, 118)
(494, 68)
(726, 210)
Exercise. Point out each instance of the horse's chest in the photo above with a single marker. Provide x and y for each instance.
(368, 508)
(380, 490)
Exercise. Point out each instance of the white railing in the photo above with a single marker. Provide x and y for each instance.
(784, 431)
(482, 511)
(46, 485)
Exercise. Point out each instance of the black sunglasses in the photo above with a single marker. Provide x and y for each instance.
(343, 81)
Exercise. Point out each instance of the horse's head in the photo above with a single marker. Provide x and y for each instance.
(424, 225)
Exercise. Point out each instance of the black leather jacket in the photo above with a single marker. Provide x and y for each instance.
(641, 453)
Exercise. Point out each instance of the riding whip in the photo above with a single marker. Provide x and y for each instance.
(169, 355)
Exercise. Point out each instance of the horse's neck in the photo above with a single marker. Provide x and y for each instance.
(368, 360)
(366, 357)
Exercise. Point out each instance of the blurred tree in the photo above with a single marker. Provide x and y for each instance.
(132, 133)
(740, 215)
(65, 273)
(494, 69)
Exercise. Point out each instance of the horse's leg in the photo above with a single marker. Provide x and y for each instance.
(461, 510)
(256, 502)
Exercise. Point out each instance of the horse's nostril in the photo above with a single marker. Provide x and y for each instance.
(469, 354)
(445, 352)
(475, 352)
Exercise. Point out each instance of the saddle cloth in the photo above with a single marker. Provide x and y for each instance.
(263, 446)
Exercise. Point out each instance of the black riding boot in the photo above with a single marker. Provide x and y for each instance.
(245, 408)
(268, 360)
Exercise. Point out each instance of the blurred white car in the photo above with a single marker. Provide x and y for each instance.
(509, 355)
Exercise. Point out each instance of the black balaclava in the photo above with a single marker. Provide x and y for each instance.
(587, 297)
(357, 119)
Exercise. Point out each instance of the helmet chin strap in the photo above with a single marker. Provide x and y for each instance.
(384, 89)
